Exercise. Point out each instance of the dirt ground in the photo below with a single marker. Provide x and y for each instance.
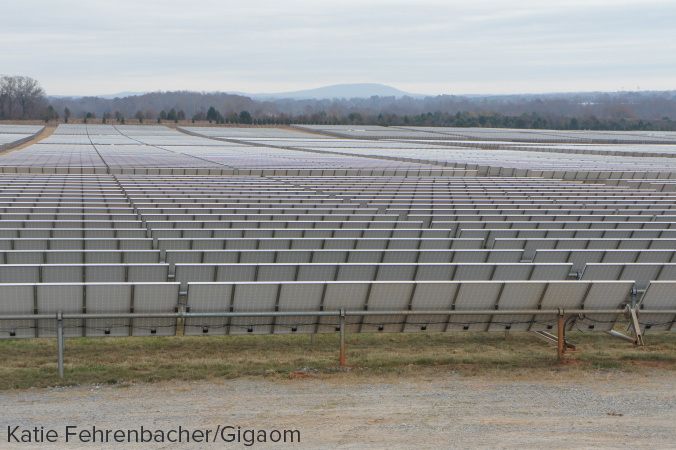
(432, 409)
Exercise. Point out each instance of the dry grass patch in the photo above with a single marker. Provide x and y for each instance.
(32, 363)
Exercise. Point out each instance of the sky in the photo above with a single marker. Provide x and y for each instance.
(77, 47)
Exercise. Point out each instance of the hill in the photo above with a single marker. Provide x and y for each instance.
(355, 90)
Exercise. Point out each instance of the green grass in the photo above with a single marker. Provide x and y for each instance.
(32, 363)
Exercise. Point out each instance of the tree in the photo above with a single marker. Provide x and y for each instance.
(21, 98)
(245, 117)
(355, 118)
(171, 115)
(66, 114)
(51, 114)
(139, 116)
(105, 117)
(212, 115)
(199, 116)
(180, 115)
(163, 115)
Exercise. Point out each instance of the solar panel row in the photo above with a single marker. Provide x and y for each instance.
(369, 297)
(14, 135)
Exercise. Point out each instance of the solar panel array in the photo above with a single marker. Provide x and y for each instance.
(102, 219)
(497, 134)
(134, 149)
(13, 135)
(504, 152)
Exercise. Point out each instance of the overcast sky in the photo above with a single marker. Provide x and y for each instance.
(89, 47)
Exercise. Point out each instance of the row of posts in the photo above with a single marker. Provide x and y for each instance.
(342, 359)
(562, 345)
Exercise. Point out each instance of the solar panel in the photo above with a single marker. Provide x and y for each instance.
(276, 273)
(17, 299)
(559, 295)
(254, 297)
(605, 295)
(387, 296)
(640, 273)
(470, 296)
(108, 298)
(515, 297)
(208, 297)
(298, 297)
(53, 298)
(19, 274)
(345, 295)
(659, 295)
(150, 298)
(317, 272)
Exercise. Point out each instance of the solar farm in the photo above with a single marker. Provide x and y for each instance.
(147, 230)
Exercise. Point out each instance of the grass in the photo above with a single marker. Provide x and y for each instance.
(32, 363)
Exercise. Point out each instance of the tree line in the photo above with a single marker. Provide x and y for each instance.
(24, 98)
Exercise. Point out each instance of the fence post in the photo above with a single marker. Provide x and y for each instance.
(342, 357)
(60, 342)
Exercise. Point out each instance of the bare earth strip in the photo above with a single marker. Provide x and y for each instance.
(433, 409)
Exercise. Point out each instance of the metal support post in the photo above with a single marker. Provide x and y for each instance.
(619, 335)
(636, 326)
(60, 342)
(561, 336)
(180, 321)
(342, 358)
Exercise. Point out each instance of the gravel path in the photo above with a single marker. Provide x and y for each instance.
(438, 410)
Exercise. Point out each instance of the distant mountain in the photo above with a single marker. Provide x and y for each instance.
(107, 97)
(338, 91)
(358, 90)
(121, 95)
